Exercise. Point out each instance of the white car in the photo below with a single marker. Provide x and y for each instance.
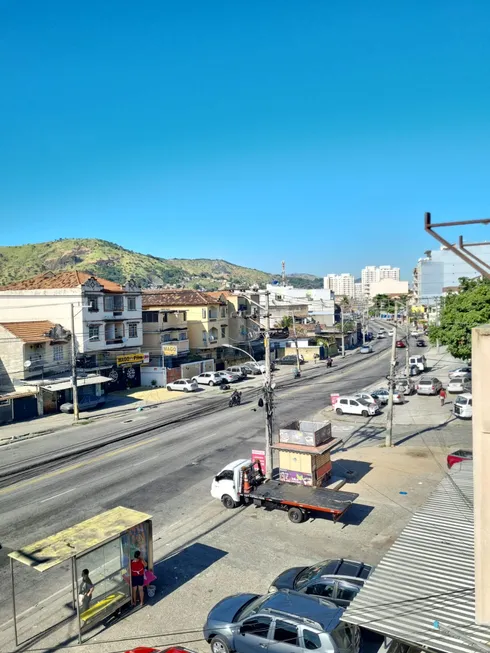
(352, 405)
(383, 396)
(460, 372)
(208, 378)
(463, 406)
(367, 397)
(459, 384)
(228, 377)
(366, 349)
(184, 385)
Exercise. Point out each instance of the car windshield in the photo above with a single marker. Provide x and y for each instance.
(251, 607)
(462, 401)
(321, 569)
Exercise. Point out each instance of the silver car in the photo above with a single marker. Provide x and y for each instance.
(428, 385)
(459, 384)
(184, 385)
(283, 622)
(460, 372)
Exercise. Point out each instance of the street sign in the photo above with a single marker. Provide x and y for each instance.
(259, 454)
(334, 397)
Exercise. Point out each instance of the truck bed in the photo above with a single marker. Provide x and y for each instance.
(303, 496)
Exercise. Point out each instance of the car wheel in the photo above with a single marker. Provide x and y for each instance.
(296, 515)
(211, 383)
(186, 389)
(339, 411)
(169, 388)
(220, 645)
(365, 413)
(228, 502)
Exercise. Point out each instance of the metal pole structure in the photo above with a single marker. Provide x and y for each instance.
(74, 563)
(76, 412)
(342, 329)
(74, 585)
(268, 391)
(298, 362)
(389, 414)
(14, 612)
(438, 306)
(407, 348)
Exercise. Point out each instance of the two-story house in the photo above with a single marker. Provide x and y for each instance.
(106, 317)
(199, 316)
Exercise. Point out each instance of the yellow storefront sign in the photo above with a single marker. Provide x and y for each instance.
(169, 350)
(130, 358)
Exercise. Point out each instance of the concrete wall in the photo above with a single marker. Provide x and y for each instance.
(156, 374)
(308, 353)
(388, 287)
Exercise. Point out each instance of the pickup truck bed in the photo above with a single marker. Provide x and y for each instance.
(305, 497)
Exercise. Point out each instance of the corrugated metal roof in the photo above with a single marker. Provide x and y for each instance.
(428, 575)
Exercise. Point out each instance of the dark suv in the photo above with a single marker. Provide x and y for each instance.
(285, 622)
(337, 580)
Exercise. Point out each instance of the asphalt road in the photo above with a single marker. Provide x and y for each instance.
(161, 470)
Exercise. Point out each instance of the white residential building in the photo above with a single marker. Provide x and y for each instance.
(372, 274)
(343, 285)
(315, 303)
(107, 320)
(388, 286)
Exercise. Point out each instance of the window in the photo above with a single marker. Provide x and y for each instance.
(93, 331)
(58, 352)
(287, 633)
(93, 303)
(258, 626)
(311, 639)
(203, 313)
(114, 303)
(353, 403)
(133, 330)
(223, 311)
(344, 402)
(345, 593)
(182, 335)
(204, 337)
(223, 331)
(321, 589)
(131, 303)
(150, 316)
(166, 337)
(164, 317)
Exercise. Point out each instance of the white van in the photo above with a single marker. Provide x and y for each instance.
(419, 361)
(463, 406)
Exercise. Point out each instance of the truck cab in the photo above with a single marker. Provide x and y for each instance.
(226, 484)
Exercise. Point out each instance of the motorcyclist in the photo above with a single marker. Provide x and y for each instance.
(235, 398)
(329, 362)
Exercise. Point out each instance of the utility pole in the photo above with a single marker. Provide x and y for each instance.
(438, 305)
(76, 413)
(407, 348)
(268, 391)
(298, 362)
(389, 414)
(342, 329)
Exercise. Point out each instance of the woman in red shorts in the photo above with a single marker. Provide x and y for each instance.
(138, 566)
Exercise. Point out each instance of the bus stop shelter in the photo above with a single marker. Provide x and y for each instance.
(105, 545)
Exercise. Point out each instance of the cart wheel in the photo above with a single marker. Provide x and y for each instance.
(339, 411)
(296, 515)
(227, 501)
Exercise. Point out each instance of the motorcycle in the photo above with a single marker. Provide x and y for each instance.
(329, 362)
(235, 399)
(224, 386)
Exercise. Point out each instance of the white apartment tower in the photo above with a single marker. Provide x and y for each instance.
(372, 273)
(341, 284)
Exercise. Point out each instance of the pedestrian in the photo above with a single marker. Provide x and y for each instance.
(138, 566)
(442, 396)
(85, 591)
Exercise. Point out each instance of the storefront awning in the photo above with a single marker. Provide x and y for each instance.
(64, 385)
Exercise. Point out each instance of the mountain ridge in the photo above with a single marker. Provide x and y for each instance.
(113, 262)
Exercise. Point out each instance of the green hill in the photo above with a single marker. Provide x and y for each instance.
(113, 262)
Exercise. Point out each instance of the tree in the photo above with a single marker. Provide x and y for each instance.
(286, 322)
(459, 314)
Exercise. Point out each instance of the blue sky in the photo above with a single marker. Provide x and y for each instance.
(315, 131)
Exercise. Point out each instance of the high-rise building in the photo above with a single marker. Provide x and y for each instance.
(341, 284)
(372, 273)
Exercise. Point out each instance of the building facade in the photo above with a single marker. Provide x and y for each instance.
(388, 286)
(372, 274)
(106, 317)
(342, 285)
(314, 304)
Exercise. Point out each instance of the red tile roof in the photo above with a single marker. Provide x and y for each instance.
(54, 280)
(177, 298)
(219, 293)
(29, 331)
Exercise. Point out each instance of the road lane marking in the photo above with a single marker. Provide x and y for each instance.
(70, 468)
(55, 496)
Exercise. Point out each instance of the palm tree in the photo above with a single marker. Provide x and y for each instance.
(286, 322)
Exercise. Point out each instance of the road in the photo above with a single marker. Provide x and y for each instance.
(162, 470)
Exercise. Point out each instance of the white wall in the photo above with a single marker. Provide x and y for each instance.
(388, 287)
(157, 374)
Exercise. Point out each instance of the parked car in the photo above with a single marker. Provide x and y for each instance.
(404, 386)
(85, 402)
(415, 333)
(284, 620)
(380, 336)
(463, 406)
(428, 385)
(228, 377)
(367, 396)
(337, 580)
(208, 378)
(419, 361)
(254, 368)
(459, 456)
(391, 332)
(290, 359)
(459, 384)
(383, 395)
(239, 370)
(420, 343)
(460, 372)
(400, 344)
(353, 405)
(366, 349)
(184, 385)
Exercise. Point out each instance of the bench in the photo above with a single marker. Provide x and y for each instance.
(105, 606)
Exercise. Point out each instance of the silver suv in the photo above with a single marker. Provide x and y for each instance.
(283, 622)
(428, 385)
